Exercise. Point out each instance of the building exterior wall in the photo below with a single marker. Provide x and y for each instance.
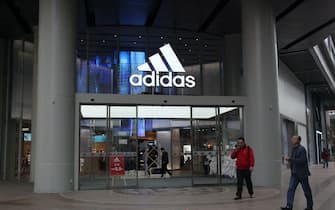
(291, 95)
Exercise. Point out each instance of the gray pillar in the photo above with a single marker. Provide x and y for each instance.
(3, 54)
(310, 126)
(260, 65)
(232, 65)
(11, 162)
(34, 96)
(54, 126)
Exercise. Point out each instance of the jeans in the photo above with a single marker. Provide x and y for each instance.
(294, 181)
(241, 175)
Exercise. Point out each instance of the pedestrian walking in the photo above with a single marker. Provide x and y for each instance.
(299, 174)
(325, 156)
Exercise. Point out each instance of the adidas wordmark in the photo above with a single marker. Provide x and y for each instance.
(167, 79)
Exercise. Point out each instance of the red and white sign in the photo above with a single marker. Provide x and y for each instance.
(117, 166)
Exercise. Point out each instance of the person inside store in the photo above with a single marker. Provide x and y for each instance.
(206, 165)
(165, 162)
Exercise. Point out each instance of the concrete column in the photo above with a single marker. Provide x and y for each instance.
(11, 148)
(310, 126)
(260, 65)
(34, 111)
(3, 71)
(54, 126)
(232, 65)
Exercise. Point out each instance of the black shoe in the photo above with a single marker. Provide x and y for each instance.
(285, 208)
(251, 196)
(238, 198)
(308, 209)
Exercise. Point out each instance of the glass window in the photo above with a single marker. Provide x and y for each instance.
(93, 111)
(108, 57)
(100, 78)
(164, 112)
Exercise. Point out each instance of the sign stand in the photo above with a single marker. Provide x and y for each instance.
(117, 169)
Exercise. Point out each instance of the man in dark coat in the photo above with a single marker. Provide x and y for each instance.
(299, 174)
(165, 161)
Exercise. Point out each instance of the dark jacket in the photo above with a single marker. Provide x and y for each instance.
(165, 157)
(299, 162)
(245, 158)
(325, 155)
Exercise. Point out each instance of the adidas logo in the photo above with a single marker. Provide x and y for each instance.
(162, 69)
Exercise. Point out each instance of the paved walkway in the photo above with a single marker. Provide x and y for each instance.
(19, 197)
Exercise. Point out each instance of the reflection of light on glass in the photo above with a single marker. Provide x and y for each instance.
(118, 112)
(97, 60)
(141, 127)
(93, 111)
(187, 148)
(27, 136)
(164, 112)
(99, 138)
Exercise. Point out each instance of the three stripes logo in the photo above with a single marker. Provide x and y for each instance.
(162, 69)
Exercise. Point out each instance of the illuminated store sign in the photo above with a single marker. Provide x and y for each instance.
(162, 72)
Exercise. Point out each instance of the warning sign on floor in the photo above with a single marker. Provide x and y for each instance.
(117, 166)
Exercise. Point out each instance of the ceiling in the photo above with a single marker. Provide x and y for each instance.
(300, 23)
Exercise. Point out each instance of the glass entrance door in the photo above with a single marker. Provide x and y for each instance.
(162, 133)
(205, 145)
(124, 146)
(230, 128)
(93, 165)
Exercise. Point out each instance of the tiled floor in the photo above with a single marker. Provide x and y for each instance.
(19, 197)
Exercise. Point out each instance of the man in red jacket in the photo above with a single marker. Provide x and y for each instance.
(244, 166)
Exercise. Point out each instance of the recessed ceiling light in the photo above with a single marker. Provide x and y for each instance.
(205, 45)
(103, 41)
(185, 44)
(115, 35)
(162, 37)
(135, 42)
(189, 50)
(180, 38)
(81, 40)
(140, 37)
(197, 39)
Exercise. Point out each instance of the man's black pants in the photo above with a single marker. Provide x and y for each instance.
(165, 170)
(241, 175)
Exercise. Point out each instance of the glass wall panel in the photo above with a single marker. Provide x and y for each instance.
(108, 57)
(211, 79)
(93, 170)
(205, 145)
(165, 112)
(231, 128)
(122, 153)
(121, 146)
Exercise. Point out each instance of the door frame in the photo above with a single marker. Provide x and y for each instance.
(159, 100)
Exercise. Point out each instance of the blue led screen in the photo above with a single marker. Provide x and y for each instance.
(109, 73)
